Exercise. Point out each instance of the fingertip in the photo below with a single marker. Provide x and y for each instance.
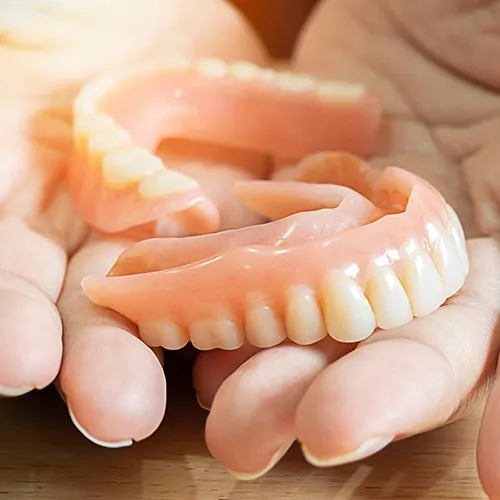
(114, 385)
(30, 342)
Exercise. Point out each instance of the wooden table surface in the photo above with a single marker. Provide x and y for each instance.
(42, 456)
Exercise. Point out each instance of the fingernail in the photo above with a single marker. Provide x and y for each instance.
(202, 405)
(369, 447)
(12, 392)
(104, 444)
(247, 476)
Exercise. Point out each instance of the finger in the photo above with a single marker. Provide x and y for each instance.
(251, 423)
(113, 383)
(409, 379)
(32, 269)
(488, 449)
(211, 368)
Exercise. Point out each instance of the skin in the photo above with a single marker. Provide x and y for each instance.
(330, 397)
(331, 400)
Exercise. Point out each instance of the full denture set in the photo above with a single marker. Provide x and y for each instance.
(347, 249)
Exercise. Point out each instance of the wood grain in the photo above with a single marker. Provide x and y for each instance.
(42, 456)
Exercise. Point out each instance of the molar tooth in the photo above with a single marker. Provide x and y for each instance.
(388, 299)
(163, 333)
(101, 143)
(166, 182)
(296, 83)
(422, 284)
(216, 334)
(448, 264)
(263, 326)
(304, 321)
(244, 70)
(125, 167)
(334, 91)
(348, 314)
(213, 68)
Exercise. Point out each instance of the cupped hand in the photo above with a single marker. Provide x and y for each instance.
(114, 384)
(431, 62)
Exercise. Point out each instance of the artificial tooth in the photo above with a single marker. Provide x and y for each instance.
(334, 91)
(388, 299)
(166, 182)
(125, 167)
(244, 70)
(296, 83)
(348, 314)
(216, 334)
(458, 237)
(163, 333)
(304, 322)
(87, 99)
(86, 126)
(100, 143)
(422, 284)
(448, 264)
(213, 68)
(264, 328)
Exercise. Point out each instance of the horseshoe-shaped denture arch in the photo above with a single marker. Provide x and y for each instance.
(120, 119)
(349, 249)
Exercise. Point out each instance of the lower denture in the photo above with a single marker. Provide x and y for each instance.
(347, 249)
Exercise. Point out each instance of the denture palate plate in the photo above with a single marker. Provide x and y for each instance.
(342, 271)
(120, 120)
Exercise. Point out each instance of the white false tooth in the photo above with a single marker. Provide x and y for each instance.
(212, 68)
(388, 299)
(422, 284)
(335, 91)
(244, 70)
(166, 182)
(296, 83)
(264, 328)
(100, 143)
(348, 314)
(304, 322)
(87, 100)
(163, 333)
(124, 167)
(458, 237)
(216, 334)
(85, 126)
(448, 264)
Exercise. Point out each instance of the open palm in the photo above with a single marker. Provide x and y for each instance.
(431, 61)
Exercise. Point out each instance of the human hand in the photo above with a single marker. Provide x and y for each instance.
(334, 398)
(113, 383)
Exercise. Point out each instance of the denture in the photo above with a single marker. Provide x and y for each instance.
(346, 248)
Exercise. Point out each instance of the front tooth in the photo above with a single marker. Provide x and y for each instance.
(244, 70)
(100, 143)
(163, 333)
(213, 68)
(304, 322)
(263, 326)
(165, 183)
(334, 91)
(448, 264)
(348, 314)
(422, 284)
(388, 299)
(216, 334)
(86, 126)
(125, 167)
(458, 237)
(86, 101)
